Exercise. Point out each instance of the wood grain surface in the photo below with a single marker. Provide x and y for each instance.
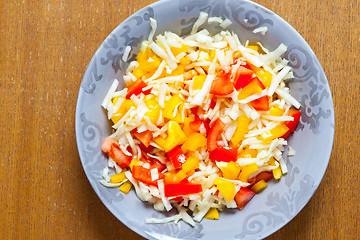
(45, 47)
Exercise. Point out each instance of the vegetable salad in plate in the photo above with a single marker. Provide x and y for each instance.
(202, 122)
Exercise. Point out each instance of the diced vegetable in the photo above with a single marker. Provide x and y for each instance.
(136, 88)
(125, 187)
(194, 141)
(118, 178)
(176, 156)
(225, 187)
(222, 84)
(247, 170)
(212, 214)
(243, 77)
(180, 189)
(176, 136)
(277, 173)
(144, 175)
(292, 124)
(143, 137)
(223, 154)
(243, 196)
(112, 148)
(275, 132)
(214, 133)
(231, 170)
(241, 130)
(259, 186)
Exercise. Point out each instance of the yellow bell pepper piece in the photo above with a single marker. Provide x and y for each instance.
(160, 141)
(271, 161)
(250, 89)
(147, 59)
(199, 81)
(212, 214)
(247, 153)
(125, 187)
(191, 164)
(265, 76)
(275, 111)
(134, 162)
(170, 105)
(123, 109)
(175, 137)
(154, 108)
(170, 177)
(277, 173)
(241, 130)
(186, 128)
(259, 186)
(176, 51)
(275, 132)
(226, 188)
(247, 170)
(194, 141)
(231, 171)
(118, 178)
(253, 47)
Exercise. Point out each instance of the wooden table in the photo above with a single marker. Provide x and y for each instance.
(45, 49)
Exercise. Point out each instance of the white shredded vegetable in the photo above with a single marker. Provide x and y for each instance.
(187, 95)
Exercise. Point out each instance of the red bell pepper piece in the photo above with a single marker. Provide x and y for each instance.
(214, 133)
(112, 148)
(136, 88)
(243, 196)
(180, 189)
(222, 84)
(177, 157)
(144, 175)
(292, 124)
(143, 137)
(243, 77)
(224, 154)
(198, 124)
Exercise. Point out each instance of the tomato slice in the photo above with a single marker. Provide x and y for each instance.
(180, 189)
(242, 78)
(224, 154)
(222, 84)
(112, 148)
(213, 135)
(143, 137)
(136, 88)
(243, 196)
(292, 124)
(177, 157)
(261, 104)
(144, 175)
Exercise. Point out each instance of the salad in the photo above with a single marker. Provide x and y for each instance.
(202, 122)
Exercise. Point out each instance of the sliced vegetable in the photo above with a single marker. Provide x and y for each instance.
(222, 84)
(212, 214)
(243, 77)
(143, 137)
(199, 126)
(112, 148)
(144, 175)
(243, 196)
(118, 178)
(226, 188)
(214, 133)
(180, 189)
(136, 88)
(176, 136)
(231, 170)
(259, 186)
(292, 124)
(247, 170)
(241, 130)
(125, 187)
(275, 132)
(194, 141)
(223, 154)
(176, 156)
